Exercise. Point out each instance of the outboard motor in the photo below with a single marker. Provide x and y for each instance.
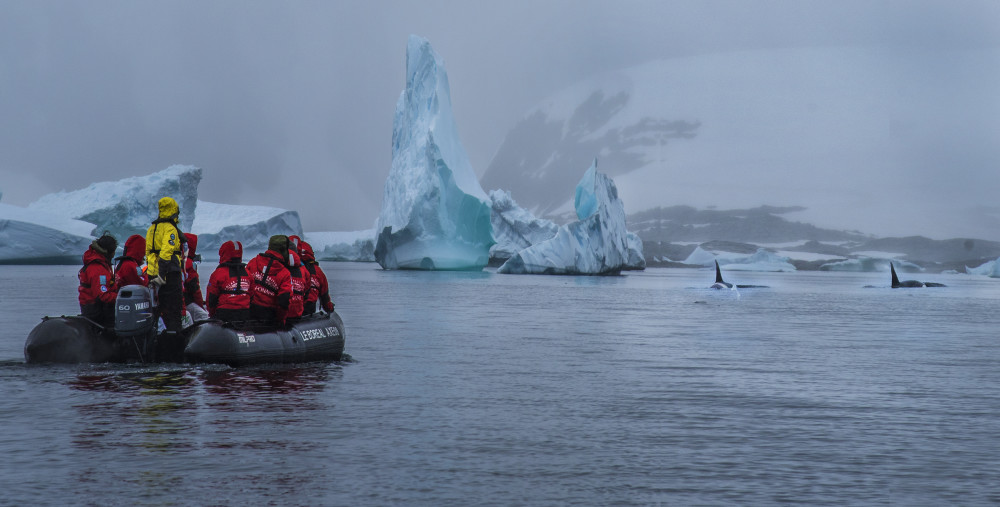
(135, 313)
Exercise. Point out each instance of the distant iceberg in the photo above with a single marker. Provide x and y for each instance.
(251, 225)
(761, 260)
(868, 265)
(356, 246)
(35, 237)
(434, 213)
(127, 206)
(596, 244)
(990, 269)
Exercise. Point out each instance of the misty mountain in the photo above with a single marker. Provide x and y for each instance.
(856, 137)
(672, 234)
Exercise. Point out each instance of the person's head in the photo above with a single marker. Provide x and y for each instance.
(231, 251)
(191, 240)
(169, 209)
(279, 244)
(135, 247)
(106, 245)
(306, 252)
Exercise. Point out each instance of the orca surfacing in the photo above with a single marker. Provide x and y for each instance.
(722, 284)
(896, 284)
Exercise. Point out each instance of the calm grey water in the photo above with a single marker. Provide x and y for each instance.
(486, 389)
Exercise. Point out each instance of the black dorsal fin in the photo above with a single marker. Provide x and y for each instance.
(895, 279)
(718, 273)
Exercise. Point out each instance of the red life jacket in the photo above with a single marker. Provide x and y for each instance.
(229, 285)
(270, 282)
(97, 283)
(192, 283)
(300, 285)
(318, 283)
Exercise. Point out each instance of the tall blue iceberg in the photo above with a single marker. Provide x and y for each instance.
(434, 213)
(596, 244)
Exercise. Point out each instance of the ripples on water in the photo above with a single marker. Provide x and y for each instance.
(474, 388)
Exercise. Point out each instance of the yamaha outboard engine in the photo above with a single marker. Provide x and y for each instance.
(135, 313)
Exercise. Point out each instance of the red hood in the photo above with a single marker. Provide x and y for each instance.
(306, 251)
(231, 252)
(192, 243)
(92, 255)
(135, 248)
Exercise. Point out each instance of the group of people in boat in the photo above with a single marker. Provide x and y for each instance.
(285, 282)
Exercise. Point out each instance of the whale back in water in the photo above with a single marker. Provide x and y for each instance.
(722, 284)
(896, 284)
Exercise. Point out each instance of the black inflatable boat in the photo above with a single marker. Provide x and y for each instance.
(75, 339)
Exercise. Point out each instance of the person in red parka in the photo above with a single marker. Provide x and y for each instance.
(97, 283)
(319, 289)
(129, 270)
(300, 284)
(193, 300)
(270, 282)
(229, 285)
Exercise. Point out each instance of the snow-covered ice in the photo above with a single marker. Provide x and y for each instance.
(596, 244)
(434, 213)
(356, 246)
(35, 236)
(127, 206)
(515, 228)
(761, 260)
(869, 265)
(635, 259)
(217, 223)
(990, 269)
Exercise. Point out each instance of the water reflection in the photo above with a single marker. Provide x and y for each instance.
(156, 422)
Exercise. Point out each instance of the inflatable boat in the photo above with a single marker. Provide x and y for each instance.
(135, 338)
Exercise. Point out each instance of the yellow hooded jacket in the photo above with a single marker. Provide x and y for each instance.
(164, 240)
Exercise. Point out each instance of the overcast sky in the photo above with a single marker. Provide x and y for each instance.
(290, 104)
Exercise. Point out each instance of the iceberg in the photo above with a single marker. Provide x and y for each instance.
(760, 260)
(251, 225)
(127, 206)
(353, 246)
(515, 228)
(868, 265)
(990, 269)
(635, 261)
(596, 244)
(434, 213)
(36, 237)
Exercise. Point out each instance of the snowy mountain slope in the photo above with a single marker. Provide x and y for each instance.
(866, 139)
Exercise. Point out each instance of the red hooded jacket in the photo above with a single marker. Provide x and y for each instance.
(319, 285)
(300, 285)
(229, 285)
(192, 283)
(129, 270)
(270, 282)
(97, 283)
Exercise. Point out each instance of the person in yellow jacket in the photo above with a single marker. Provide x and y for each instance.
(164, 258)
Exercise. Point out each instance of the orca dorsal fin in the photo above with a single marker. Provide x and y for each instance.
(895, 279)
(718, 273)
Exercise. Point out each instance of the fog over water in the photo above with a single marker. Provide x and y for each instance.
(291, 104)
